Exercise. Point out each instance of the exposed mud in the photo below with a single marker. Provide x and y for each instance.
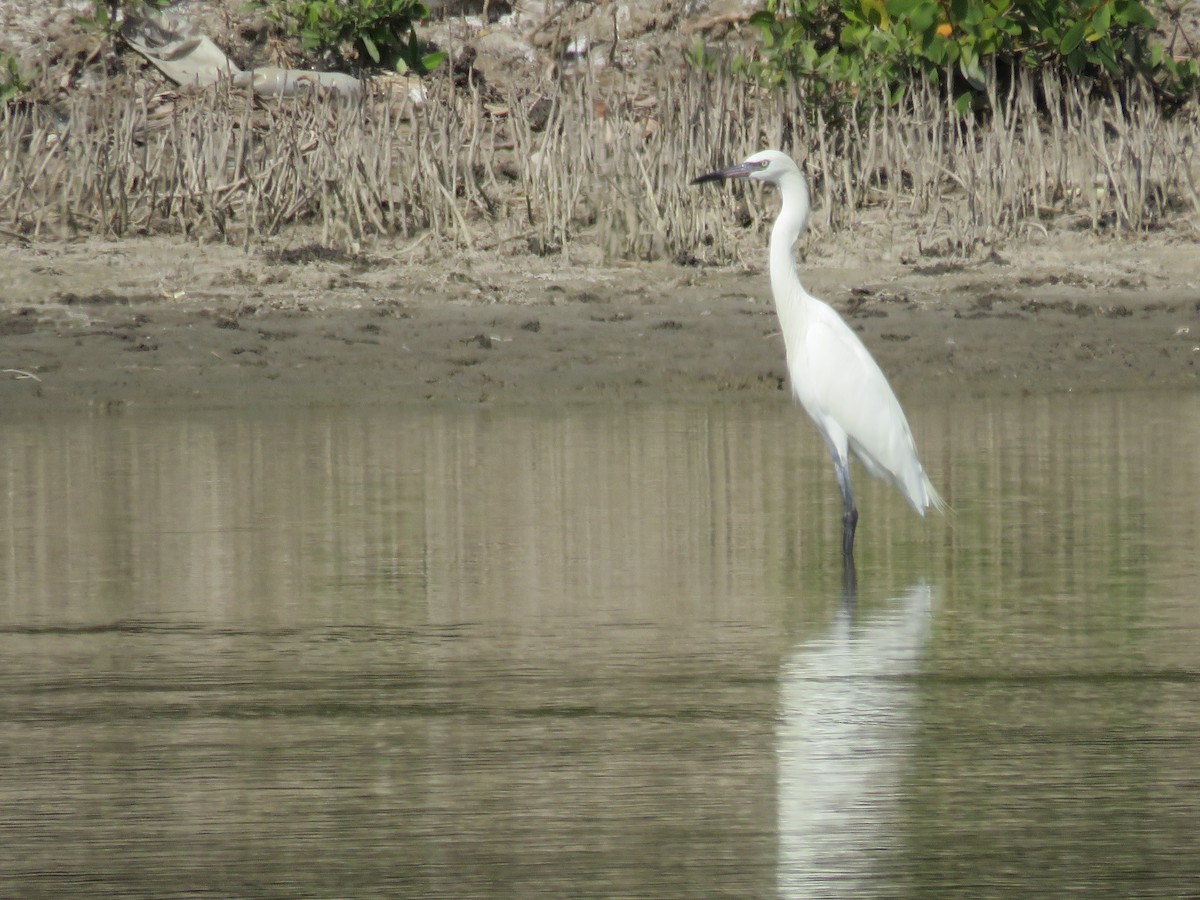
(154, 322)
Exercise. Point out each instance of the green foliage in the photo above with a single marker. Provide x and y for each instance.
(699, 57)
(845, 48)
(12, 82)
(105, 15)
(837, 47)
(380, 31)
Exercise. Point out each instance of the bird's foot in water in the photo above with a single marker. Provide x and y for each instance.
(849, 524)
(849, 578)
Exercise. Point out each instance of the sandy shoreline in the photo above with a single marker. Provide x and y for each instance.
(160, 322)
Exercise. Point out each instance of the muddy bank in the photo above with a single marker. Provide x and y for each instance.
(160, 322)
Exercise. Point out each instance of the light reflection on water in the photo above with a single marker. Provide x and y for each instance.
(598, 651)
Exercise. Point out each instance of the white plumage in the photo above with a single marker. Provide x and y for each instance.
(833, 376)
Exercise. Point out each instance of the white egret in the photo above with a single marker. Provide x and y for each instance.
(833, 376)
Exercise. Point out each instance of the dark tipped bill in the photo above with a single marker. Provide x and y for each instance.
(741, 170)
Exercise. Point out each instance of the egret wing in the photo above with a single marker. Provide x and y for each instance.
(842, 384)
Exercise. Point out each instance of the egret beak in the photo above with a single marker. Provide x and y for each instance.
(741, 170)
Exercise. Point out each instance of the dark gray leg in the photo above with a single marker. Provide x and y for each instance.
(849, 510)
(849, 585)
(841, 466)
(849, 523)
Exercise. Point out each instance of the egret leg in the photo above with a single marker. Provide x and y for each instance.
(841, 467)
(849, 511)
(849, 585)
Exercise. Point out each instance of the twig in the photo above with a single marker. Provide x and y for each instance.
(21, 374)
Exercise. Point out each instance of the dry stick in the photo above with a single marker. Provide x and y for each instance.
(331, 197)
(597, 165)
(1187, 167)
(10, 125)
(90, 175)
(1117, 185)
(452, 144)
(104, 169)
(12, 161)
(192, 179)
(352, 202)
(826, 181)
(412, 171)
(894, 169)
(26, 183)
(240, 182)
(1053, 104)
(1099, 147)
(372, 181)
(375, 173)
(467, 238)
(425, 193)
(248, 169)
(215, 185)
(69, 198)
(429, 189)
(976, 214)
(383, 167)
(872, 153)
(150, 184)
(124, 153)
(180, 171)
(324, 205)
(278, 184)
(274, 153)
(1034, 142)
(370, 205)
(490, 168)
(470, 173)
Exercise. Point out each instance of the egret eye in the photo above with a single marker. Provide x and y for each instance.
(763, 163)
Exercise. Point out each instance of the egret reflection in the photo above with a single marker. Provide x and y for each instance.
(845, 729)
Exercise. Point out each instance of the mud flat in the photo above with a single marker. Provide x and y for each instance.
(159, 322)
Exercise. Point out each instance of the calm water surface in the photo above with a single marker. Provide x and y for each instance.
(599, 652)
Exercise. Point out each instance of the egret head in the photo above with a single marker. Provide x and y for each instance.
(766, 165)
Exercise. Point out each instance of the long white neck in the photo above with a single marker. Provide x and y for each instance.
(790, 297)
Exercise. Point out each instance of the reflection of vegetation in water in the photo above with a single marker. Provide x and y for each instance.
(1049, 707)
(1074, 481)
(277, 515)
(1070, 511)
(585, 160)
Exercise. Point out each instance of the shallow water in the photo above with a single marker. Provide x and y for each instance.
(599, 651)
